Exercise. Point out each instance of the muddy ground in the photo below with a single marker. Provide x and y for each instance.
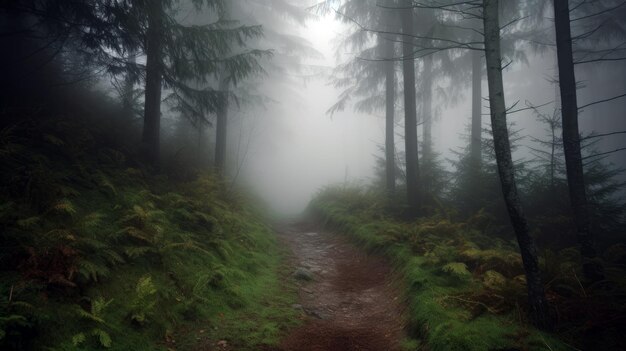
(350, 301)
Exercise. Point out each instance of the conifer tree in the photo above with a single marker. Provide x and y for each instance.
(536, 293)
(190, 57)
(410, 109)
(571, 142)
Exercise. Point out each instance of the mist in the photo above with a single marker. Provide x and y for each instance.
(298, 146)
(288, 175)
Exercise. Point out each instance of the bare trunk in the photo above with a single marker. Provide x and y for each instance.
(221, 128)
(390, 99)
(410, 112)
(427, 126)
(536, 295)
(154, 76)
(571, 142)
(129, 86)
(476, 128)
(553, 157)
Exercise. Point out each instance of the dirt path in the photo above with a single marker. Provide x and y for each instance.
(351, 303)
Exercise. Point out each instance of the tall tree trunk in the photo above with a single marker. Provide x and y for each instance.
(536, 294)
(390, 145)
(553, 157)
(129, 86)
(410, 111)
(154, 76)
(571, 142)
(427, 126)
(221, 127)
(388, 49)
(476, 127)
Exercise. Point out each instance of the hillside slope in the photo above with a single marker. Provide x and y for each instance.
(98, 253)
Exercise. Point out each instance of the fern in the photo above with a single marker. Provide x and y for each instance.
(91, 270)
(14, 315)
(187, 245)
(112, 257)
(92, 244)
(145, 299)
(94, 316)
(103, 337)
(145, 287)
(136, 233)
(138, 215)
(91, 221)
(62, 234)
(105, 183)
(79, 339)
(67, 191)
(138, 251)
(494, 280)
(98, 306)
(64, 206)
(457, 269)
(29, 223)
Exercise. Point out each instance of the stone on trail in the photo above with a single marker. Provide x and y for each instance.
(303, 274)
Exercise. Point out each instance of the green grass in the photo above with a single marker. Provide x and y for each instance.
(97, 254)
(444, 312)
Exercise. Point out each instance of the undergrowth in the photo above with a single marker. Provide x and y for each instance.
(98, 253)
(466, 287)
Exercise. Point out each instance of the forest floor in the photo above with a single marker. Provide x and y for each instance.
(350, 299)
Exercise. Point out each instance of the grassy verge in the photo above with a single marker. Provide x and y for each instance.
(465, 291)
(97, 253)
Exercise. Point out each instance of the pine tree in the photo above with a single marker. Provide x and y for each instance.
(536, 293)
(191, 57)
(571, 142)
(410, 109)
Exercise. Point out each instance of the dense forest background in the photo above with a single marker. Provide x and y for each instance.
(145, 145)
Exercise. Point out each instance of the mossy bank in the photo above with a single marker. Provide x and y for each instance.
(465, 291)
(100, 253)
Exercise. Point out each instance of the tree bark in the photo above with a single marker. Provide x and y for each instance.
(427, 126)
(476, 127)
(571, 142)
(410, 112)
(154, 77)
(221, 127)
(388, 49)
(536, 295)
(129, 86)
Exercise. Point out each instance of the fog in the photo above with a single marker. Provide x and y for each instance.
(165, 165)
(296, 147)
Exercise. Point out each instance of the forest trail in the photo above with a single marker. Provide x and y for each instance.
(351, 302)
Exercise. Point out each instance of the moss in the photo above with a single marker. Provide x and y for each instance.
(179, 264)
(443, 269)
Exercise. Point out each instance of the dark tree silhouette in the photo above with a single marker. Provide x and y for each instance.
(536, 293)
(571, 142)
(410, 110)
(154, 77)
(388, 49)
